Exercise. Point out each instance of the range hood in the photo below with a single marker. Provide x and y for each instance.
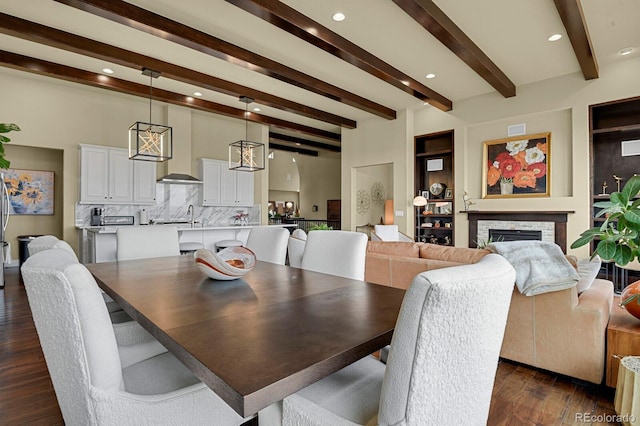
(178, 178)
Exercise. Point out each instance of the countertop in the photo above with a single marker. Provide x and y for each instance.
(181, 227)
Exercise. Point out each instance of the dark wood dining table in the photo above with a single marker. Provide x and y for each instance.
(257, 339)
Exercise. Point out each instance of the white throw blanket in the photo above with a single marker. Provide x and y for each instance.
(540, 266)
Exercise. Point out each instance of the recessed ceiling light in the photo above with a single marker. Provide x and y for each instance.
(405, 82)
(338, 16)
(256, 109)
(626, 51)
(430, 75)
(197, 94)
(425, 103)
(297, 143)
(189, 98)
(555, 37)
(107, 70)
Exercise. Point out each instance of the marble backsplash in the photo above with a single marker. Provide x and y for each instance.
(172, 203)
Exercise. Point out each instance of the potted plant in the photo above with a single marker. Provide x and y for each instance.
(6, 128)
(619, 235)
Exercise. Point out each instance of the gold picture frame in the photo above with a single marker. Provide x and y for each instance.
(518, 166)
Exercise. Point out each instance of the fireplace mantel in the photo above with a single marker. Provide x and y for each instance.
(558, 217)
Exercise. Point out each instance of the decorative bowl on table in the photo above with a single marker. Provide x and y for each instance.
(228, 264)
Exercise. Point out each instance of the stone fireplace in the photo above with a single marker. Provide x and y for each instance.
(551, 226)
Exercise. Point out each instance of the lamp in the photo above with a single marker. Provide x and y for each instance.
(419, 201)
(245, 155)
(388, 212)
(148, 141)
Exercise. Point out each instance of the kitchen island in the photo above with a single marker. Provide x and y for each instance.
(101, 244)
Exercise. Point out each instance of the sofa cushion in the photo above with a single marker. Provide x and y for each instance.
(394, 248)
(452, 254)
(588, 271)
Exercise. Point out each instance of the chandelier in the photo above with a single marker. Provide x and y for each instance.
(245, 155)
(148, 141)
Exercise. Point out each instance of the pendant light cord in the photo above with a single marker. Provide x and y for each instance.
(150, 95)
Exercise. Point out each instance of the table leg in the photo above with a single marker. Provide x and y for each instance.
(251, 422)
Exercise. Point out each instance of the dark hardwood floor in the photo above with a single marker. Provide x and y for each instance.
(522, 396)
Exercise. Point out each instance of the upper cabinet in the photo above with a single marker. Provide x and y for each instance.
(107, 176)
(224, 187)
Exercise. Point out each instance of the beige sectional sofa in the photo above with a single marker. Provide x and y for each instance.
(559, 331)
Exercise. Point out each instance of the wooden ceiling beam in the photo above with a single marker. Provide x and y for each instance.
(154, 24)
(570, 12)
(48, 36)
(63, 72)
(297, 150)
(295, 23)
(434, 20)
(305, 142)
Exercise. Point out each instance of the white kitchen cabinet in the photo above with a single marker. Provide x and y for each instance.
(108, 176)
(210, 175)
(120, 176)
(144, 182)
(94, 174)
(224, 187)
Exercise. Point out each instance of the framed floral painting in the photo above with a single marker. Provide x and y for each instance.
(517, 167)
(30, 191)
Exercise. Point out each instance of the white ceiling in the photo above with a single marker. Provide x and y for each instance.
(513, 33)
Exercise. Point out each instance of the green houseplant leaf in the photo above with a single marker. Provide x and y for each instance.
(6, 128)
(619, 235)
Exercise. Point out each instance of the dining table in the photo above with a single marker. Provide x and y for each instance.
(259, 338)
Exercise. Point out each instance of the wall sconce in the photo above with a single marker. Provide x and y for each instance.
(148, 141)
(245, 155)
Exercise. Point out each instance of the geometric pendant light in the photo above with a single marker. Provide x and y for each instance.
(245, 155)
(147, 141)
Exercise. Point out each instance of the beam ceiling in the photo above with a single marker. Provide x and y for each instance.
(295, 23)
(293, 149)
(63, 72)
(570, 12)
(154, 24)
(301, 141)
(434, 20)
(42, 34)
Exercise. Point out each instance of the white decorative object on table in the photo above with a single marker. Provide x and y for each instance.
(228, 264)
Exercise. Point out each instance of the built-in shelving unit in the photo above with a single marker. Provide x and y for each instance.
(434, 222)
(610, 124)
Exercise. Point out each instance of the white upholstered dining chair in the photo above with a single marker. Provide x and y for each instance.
(443, 359)
(269, 243)
(295, 247)
(46, 242)
(388, 233)
(93, 384)
(340, 253)
(144, 242)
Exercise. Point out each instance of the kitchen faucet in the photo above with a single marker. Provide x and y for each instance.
(190, 212)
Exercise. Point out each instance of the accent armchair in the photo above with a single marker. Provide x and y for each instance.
(388, 233)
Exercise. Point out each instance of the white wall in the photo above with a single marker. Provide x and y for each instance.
(376, 142)
(558, 105)
(60, 115)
